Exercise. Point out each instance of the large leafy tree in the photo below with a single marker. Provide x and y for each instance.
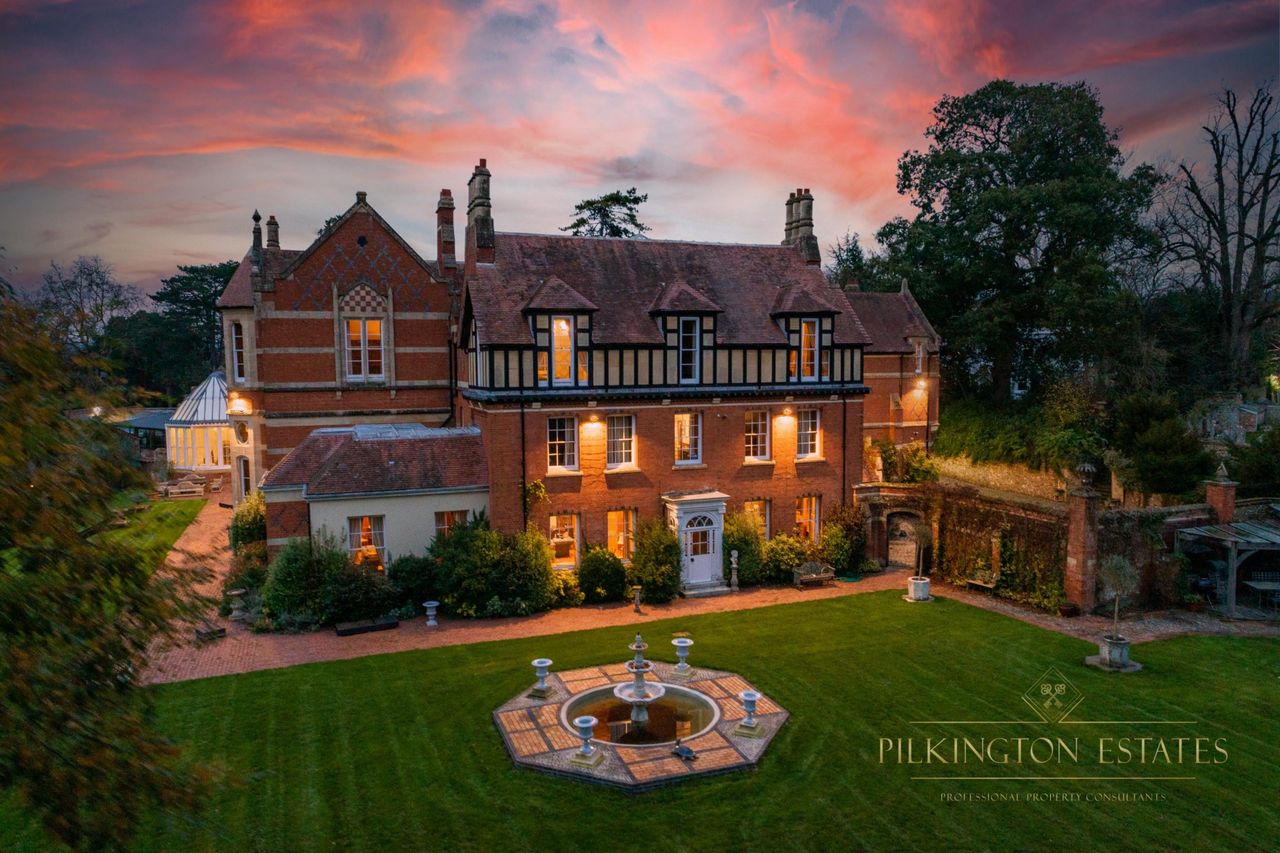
(189, 303)
(78, 612)
(610, 215)
(1024, 201)
(1225, 225)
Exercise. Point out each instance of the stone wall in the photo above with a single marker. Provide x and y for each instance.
(1018, 479)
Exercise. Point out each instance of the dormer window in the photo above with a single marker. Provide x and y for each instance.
(562, 348)
(690, 350)
(806, 359)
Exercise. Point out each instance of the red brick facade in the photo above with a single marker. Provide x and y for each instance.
(753, 310)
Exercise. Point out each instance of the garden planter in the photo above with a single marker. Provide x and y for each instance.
(918, 588)
(1069, 609)
(1114, 651)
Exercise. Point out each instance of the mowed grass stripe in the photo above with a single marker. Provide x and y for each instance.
(432, 771)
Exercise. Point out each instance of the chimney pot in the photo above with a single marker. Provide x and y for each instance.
(482, 163)
(273, 233)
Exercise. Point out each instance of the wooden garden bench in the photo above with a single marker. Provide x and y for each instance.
(812, 573)
(985, 580)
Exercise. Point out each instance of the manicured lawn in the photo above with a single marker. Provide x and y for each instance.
(399, 752)
(158, 525)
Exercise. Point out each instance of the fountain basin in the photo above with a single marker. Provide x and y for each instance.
(674, 713)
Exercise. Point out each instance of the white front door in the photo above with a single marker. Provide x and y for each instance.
(700, 544)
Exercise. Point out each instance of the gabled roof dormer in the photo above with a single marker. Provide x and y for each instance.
(793, 301)
(554, 295)
(678, 297)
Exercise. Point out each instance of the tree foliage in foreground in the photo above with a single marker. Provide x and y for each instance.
(610, 215)
(78, 613)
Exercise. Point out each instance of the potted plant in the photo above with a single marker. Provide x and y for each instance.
(1193, 602)
(918, 584)
(1120, 578)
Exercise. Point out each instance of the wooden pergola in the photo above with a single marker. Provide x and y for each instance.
(1241, 539)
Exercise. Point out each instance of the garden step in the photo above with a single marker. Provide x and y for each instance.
(364, 626)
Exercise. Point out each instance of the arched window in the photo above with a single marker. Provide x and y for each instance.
(699, 537)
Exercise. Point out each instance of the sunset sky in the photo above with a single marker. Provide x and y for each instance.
(147, 132)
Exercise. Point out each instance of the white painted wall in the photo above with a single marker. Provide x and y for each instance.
(409, 521)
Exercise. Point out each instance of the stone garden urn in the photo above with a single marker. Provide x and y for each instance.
(918, 588)
(1114, 651)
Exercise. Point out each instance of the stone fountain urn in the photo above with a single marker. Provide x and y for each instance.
(1114, 651)
(639, 693)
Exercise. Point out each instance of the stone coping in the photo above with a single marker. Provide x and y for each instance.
(536, 738)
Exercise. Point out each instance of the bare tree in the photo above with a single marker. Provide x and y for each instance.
(76, 304)
(1226, 220)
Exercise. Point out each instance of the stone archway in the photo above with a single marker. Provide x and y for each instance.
(903, 546)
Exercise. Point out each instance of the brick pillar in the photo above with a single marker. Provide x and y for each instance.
(1220, 494)
(1082, 544)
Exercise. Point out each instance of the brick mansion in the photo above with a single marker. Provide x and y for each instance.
(577, 384)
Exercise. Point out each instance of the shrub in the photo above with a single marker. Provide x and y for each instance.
(413, 578)
(1168, 458)
(480, 572)
(602, 577)
(852, 521)
(565, 589)
(655, 565)
(351, 592)
(783, 554)
(248, 572)
(249, 521)
(293, 593)
(742, 533)
(836, 550)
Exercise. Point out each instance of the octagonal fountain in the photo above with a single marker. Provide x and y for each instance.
(628, 726)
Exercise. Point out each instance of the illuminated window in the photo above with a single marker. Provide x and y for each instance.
(690, 349)
(808, 350)
(808, 433)
(449, 519)
(807, 517)
(688, 438)
(621, 441)
(365, 540)
(759, 512)
(564, 540)
(542, 368)
(621, 529)
(757, 436)
(246, 484)
(237, 352)
(562, 443)
(562, 350)
(364, 349)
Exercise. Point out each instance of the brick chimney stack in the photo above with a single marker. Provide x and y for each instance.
(1220, 495)
(446, 252)
(789, 232)
(273, 233)
(802, 227)
(480, 240)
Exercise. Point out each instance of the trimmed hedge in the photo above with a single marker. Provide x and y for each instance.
(655, 565)
(782, 555)
(249, 521)
(602, 577)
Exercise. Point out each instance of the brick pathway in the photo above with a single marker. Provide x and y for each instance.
(244, 651)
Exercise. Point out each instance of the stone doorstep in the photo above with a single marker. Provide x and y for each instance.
(705, 590)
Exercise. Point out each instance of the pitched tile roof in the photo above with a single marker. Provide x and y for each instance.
(239, 291)
(625, 278)
(381, 458)
(890, 319)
